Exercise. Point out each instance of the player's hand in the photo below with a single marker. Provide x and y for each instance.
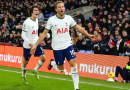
(92, 36)
(33, 49)
(43, 43)
(30, 45)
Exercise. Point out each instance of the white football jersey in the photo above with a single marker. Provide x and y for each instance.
(60, 31)
(30, 29)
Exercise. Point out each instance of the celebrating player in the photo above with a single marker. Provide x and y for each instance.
(61, 41)
(30, 36)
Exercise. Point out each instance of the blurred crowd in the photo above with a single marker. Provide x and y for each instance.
(110, 22)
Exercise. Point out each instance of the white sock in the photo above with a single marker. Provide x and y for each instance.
(116, 78)
(39, 64)
(75, 77)
(23, 67)
(55, 66)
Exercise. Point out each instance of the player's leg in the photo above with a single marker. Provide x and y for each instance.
(70, 55)
(24, 63)
(59, 61)
(23, 67)
(125, 75)
(40, 62)
(118, 70)
(39, 52)
(74, 73)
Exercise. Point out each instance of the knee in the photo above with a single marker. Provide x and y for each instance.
(72, 63)
(74, 70)
(60, 69)
(25, 62)
(43, 58)
(118, 67)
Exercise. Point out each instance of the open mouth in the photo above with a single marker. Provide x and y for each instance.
(62, 11)
(36, 14)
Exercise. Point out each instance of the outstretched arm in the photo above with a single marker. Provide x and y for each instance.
(42, 36)
(83, 31)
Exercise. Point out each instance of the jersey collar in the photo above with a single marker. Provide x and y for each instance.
(60, 18)
(32, 19)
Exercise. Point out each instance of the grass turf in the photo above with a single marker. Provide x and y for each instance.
(10, 79)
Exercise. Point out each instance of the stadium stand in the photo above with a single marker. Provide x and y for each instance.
(110, 22)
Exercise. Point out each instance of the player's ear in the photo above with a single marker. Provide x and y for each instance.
(55, 9)
(64, 8)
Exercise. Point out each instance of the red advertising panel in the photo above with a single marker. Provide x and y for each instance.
(11, 56)
(89, 65)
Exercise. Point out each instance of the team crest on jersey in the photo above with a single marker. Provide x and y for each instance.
(63, 30)
(34, 32)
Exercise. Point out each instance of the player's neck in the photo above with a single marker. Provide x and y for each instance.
(60, 16)
(33, 18)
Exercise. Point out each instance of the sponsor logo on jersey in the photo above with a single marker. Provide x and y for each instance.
(63, 30)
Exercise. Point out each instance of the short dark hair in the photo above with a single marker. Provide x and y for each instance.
(31, 10)
(58, 3)
(120, 35)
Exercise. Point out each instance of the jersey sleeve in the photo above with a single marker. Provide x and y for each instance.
(48, 25)
(24, 31)
(73, 23)
(24, 27)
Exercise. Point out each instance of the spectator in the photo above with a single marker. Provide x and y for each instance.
(1, 36)
(127, 28)
(41, 27)
(105, 35)
(125, 36)
(89, 44)
(104, 24)
(90, 30)
(127, 52)
(11, 38)
(116, 35)
(81, 43)
(97, 49)
(5, 38)
(5, 28)
(125, 73)
(97, 38)
(120, 46)
(80, 16)
(41, 17)
(97, 28)
(96, 11)
(112, 49)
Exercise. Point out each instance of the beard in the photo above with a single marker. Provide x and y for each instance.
(61, 14)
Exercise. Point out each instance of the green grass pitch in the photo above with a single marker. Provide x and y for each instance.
(10, 79)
